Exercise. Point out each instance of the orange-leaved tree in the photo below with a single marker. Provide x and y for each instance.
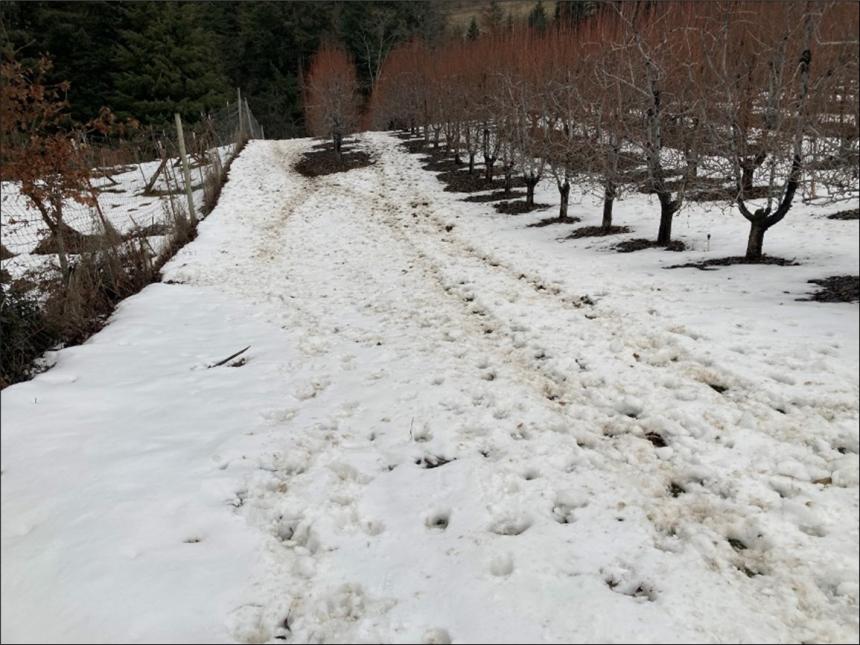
(40, 148)
(331, 95)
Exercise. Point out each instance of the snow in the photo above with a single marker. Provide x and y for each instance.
(435, 438)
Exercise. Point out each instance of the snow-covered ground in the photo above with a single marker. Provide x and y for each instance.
(435, 438)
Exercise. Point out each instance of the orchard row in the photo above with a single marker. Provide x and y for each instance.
(756, 102)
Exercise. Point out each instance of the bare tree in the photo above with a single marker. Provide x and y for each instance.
(661, 67)
(526, 105)
(777, 71)
(331, 95)
(40, 148)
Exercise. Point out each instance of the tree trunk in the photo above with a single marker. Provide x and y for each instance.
(488, 165)
(56, 226)
(756, 241)
(336, 143)
(471, 162)
(667, 214)
(608, 201)
(564, 194)
(530, 191)
(509, 177)
(61, 254)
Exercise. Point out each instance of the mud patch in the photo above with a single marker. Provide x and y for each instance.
(851, 213)
(441, 163)
(460, 181)
(597, 231)
(518, 207)
(495, 196)
(549, 221)
(708, 265)
(836, 288)
(324, 162)
(639, 244)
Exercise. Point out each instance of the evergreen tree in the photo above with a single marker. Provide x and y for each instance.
(76, 35)
(537, 17)
(473, 31)
(168, 64)
(266, 47)
(148, 59)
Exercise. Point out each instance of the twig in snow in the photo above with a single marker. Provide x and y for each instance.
(229, 358)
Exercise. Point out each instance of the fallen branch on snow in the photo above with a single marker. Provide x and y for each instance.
(229, 358)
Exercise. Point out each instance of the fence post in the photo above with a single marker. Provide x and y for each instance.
(186, 171)
(250, 127)
(241, 121)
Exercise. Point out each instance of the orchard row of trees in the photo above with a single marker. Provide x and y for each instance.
(668, 97)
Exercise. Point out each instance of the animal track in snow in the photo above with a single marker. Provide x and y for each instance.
(501, 564)
(625, 582)
(438, 519)
(421, 434)
(531, 473)
(511, 524)
(564, 506)
(309, 389)
(246, 624)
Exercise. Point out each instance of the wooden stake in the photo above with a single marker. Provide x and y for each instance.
(186, 171)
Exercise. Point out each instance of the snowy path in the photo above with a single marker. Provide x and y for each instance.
(429, 441)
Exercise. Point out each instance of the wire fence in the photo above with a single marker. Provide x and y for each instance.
(138, 190)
